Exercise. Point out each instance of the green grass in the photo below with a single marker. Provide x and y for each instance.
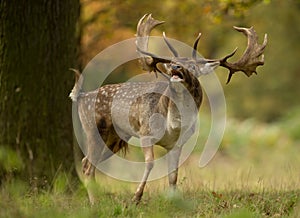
(17, 202)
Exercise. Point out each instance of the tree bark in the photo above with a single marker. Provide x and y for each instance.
(37, 46)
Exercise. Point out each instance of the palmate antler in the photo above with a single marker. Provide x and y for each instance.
(144, 27)
(252, 57)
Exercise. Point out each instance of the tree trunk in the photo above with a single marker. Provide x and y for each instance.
(37, 46)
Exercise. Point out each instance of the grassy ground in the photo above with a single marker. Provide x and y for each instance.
(256, 173)
(234, 189)
(190, 203)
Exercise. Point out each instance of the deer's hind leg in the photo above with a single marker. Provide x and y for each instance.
(99, 140)
(99, 151)
(92, 156)
(95, 146)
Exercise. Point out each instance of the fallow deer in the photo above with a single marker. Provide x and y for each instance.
(166, 98)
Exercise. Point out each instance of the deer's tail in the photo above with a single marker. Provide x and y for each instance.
(78, 85)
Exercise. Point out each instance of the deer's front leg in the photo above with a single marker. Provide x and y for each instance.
(149, 157)
(173, 160)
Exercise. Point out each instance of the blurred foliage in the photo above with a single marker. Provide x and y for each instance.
(267, 96)
(290, 123)
(257, 143)
(256, 140)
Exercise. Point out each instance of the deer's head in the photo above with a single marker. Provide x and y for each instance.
(177, 68)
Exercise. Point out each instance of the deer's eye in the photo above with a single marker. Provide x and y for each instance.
(176, 67)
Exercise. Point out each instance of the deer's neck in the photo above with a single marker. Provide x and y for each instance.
(177, 102)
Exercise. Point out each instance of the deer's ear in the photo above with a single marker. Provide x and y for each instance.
(208, 68)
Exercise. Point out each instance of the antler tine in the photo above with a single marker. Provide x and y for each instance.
(194, 54)
(252, 57)
(175, 53)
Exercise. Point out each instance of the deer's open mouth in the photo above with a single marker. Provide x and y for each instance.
(176, 76)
